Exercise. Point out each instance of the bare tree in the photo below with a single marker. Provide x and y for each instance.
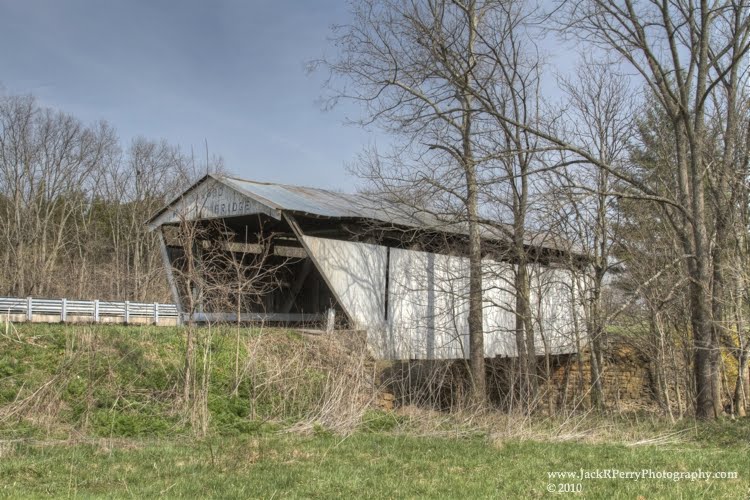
(599, 115)
(413, 65)
(705, 46)
(48, 166)
(73, 205)
(515, 90)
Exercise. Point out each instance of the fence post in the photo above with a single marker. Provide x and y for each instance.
(330, 320)
(156, 313)
(96, 311)
(63, 310)
(127, 312)
(28, 308)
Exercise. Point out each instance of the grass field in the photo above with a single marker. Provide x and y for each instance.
(95, 411)
(373, 465)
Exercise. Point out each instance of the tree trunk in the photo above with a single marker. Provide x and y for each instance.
(595, 331)
(476, 327)
(741, 385)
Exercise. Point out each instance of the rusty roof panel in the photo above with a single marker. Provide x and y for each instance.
(325, 203)
(301, 199)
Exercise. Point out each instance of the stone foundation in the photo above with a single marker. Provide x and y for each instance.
(626, 376)
(627, 381)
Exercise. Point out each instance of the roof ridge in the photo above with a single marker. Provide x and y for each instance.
(294, 186)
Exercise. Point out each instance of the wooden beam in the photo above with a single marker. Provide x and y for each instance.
(170, 273)
(307, 266)
(298, 231)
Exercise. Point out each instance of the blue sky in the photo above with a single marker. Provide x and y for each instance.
(229, 72)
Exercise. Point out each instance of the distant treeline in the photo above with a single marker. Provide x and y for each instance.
(73, 203)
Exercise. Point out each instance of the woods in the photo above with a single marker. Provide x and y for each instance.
(73, 203)
(643, 167)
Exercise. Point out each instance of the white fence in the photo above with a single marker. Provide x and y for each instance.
(99, 311)
(95, 311)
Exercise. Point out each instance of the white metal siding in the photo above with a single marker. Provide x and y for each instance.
(429, 298)
(356, 271)
(499, 309)
(552, 301)
(428, 306)
(428, 301)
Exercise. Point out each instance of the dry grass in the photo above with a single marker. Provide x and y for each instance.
(320, 380)
(61, 380)
(125, 382)
(631, 430)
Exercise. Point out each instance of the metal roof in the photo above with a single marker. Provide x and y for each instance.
(312, 201)
(325, 203)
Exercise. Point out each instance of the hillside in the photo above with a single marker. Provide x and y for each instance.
(107, 381)
(99, 410)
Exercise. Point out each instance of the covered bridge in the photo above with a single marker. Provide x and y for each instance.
(386, 268)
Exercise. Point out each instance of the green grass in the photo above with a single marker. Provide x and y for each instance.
(369, 465)
(117, 381)
(105, 420)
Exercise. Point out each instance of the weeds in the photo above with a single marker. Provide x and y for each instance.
(99, 411)
(113, 381)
